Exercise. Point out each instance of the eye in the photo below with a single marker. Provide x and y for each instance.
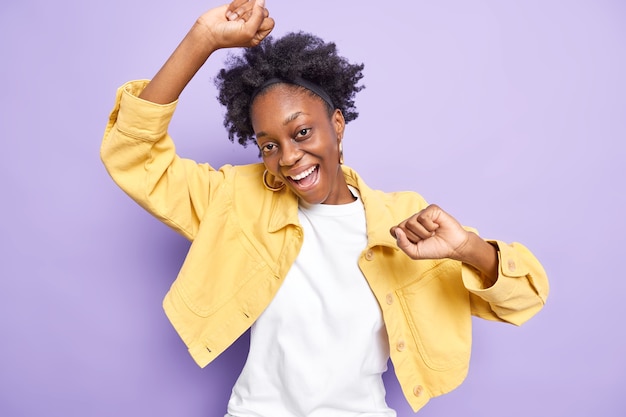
(303, 133)
(268, 148)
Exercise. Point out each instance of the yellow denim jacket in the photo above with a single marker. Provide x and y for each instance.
(245, 238)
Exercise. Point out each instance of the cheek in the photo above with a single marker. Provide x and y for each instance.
(331, 150)
(270, 164)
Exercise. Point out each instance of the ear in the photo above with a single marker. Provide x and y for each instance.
(339, 123)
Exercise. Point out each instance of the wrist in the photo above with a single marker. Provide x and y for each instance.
(200, 40)
(479, 254)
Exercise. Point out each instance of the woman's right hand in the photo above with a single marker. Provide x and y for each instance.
(242, 23)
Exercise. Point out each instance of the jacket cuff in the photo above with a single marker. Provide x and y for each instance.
(510, 268)
(140, 118)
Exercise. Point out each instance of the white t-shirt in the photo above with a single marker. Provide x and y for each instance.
(320, 348)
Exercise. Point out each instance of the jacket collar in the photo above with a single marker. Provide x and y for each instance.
(378, 218)
(284, 210)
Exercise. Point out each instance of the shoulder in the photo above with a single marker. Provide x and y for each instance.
(388, 198)
(396, 204)
(401, 203)
(246, 183)
(248, 171)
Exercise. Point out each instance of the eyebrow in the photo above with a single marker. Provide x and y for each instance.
(287, 120)
(292, 117)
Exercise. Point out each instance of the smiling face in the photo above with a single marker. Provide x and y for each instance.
(300, 143)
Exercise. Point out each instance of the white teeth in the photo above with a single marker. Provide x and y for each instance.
(303, 174)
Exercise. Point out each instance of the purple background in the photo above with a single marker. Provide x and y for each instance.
(509, 114)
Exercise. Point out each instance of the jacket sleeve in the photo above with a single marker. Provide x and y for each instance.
(518, 294)
(141, 158)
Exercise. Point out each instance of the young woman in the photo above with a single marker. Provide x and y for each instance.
(333, 277)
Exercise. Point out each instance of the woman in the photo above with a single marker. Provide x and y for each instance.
(333, 277)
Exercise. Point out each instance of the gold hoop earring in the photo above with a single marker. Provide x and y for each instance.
(340, 153)
(271, 187)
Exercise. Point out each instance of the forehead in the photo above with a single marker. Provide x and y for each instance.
(283, 98)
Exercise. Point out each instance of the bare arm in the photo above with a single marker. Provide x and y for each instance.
(242, 23)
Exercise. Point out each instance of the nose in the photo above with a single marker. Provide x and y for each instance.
(291, 153)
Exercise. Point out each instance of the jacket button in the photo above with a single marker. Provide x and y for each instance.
(400, 346)
(369, 255)
(511, 265)
(418, 390)
(389, 299)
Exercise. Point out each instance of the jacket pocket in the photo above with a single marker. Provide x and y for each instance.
(219, 264)
(437, 311)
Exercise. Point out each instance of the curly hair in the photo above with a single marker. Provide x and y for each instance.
(295, 55)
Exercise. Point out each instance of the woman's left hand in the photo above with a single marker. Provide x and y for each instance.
(431, 234)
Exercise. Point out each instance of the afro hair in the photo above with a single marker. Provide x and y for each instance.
(295, 55)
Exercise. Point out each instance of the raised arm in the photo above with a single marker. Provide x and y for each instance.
(137, 150)
(242, 23)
